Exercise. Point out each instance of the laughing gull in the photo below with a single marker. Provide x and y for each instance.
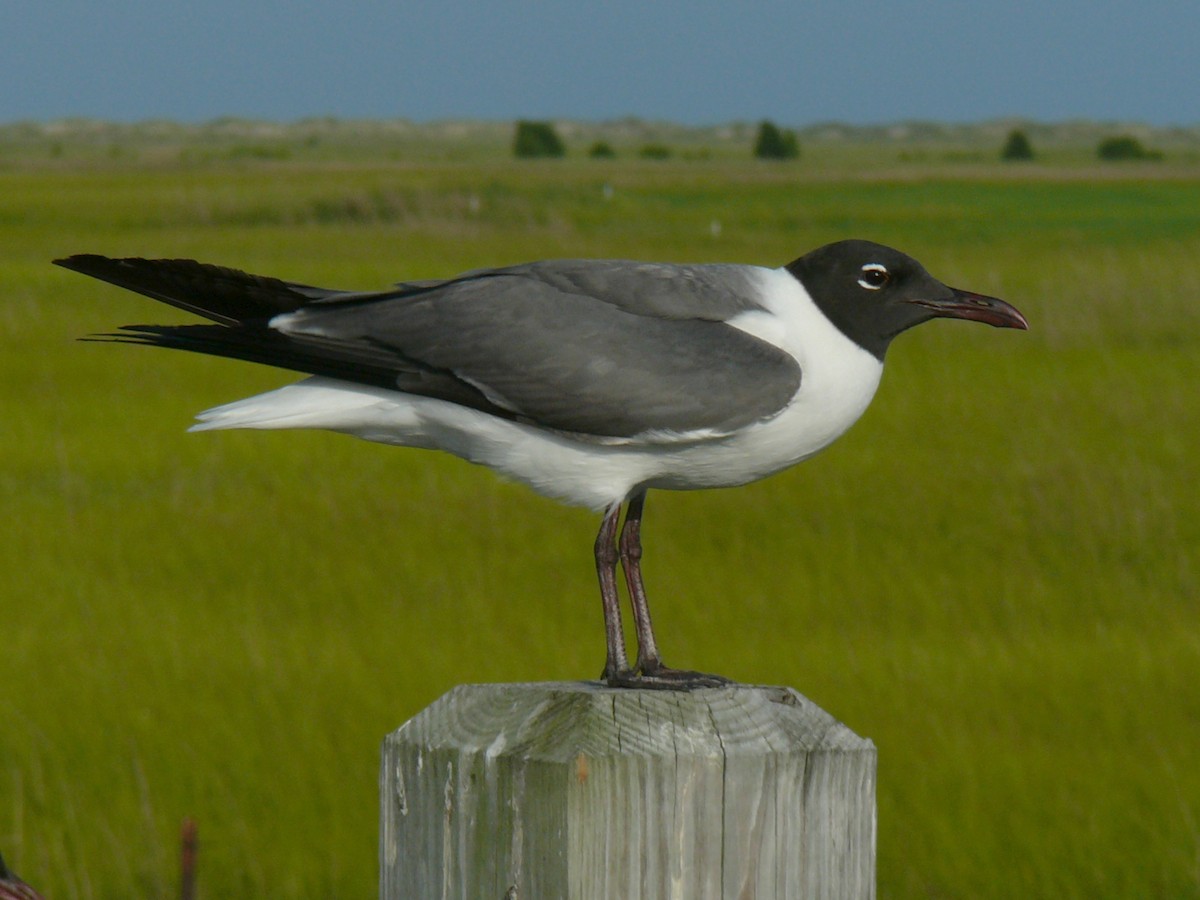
(591, 381)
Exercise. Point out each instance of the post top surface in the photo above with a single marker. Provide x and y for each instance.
(559, 720)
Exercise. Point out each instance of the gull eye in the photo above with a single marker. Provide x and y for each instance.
(874, 276)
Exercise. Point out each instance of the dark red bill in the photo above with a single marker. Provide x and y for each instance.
(976, 307)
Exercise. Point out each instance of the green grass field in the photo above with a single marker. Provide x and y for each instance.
(994, 575)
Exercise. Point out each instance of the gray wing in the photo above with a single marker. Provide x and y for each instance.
(604, 348)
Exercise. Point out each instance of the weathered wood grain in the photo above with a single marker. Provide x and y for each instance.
(575, 790)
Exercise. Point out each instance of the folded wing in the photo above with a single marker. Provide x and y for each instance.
(601, 348)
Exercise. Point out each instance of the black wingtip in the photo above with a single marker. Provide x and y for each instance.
(83, 262)
(223, 295)
(80, 262)
(110, 337)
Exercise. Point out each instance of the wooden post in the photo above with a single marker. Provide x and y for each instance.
(578, 791)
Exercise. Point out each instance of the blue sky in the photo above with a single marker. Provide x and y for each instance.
(700, 62)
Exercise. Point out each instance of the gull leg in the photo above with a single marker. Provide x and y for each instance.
(650, 671)
(616, 662)
(629, 549)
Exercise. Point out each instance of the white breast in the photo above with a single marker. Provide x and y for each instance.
(838, 380)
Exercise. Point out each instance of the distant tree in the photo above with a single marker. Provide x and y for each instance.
(1017, 147)
(775, 143)
(655, 151)
(534, 139)
(601, 150)
(1124, 147)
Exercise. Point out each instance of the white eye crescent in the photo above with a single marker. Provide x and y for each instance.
(874, 276)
